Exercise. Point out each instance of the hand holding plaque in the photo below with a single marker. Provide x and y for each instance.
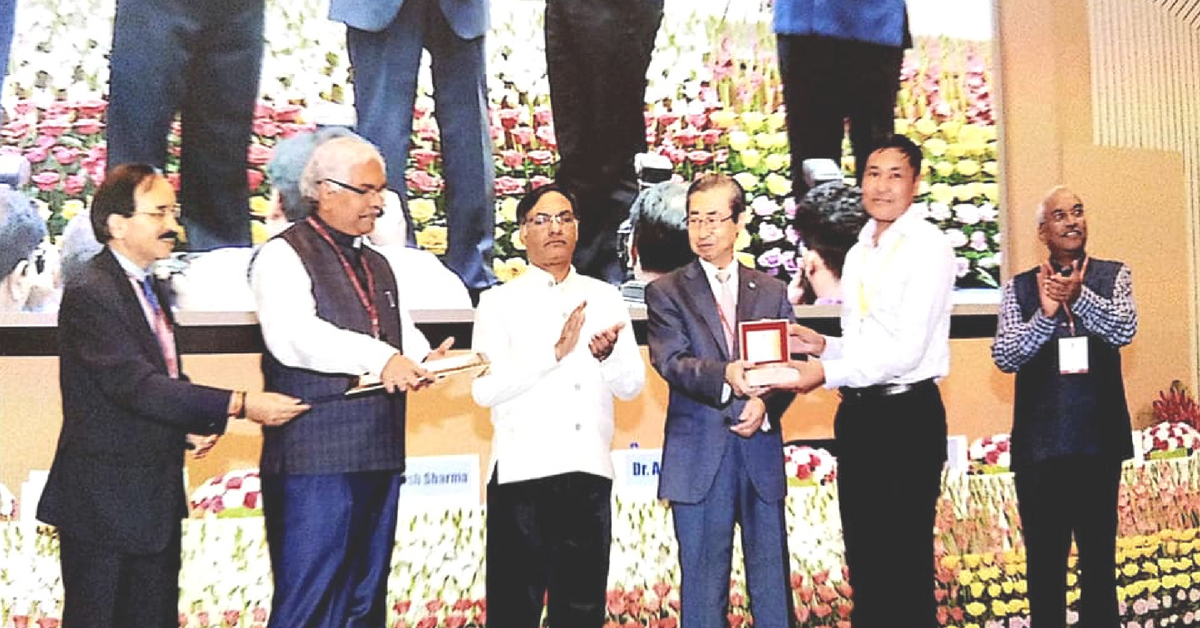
(764, 348)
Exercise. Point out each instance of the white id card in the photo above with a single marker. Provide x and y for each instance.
(1073, 355)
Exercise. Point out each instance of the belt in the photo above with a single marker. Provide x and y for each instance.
(883, 390)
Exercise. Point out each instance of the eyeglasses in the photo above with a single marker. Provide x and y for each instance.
(354, 188)
(1060, 215)
(696, 222)
(565, 219)
(161, 215)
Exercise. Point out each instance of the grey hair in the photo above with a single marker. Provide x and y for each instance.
(21, 229)
(79, 245)
(1040, 211)
(663, 203)
(334, 160)
(287, 165)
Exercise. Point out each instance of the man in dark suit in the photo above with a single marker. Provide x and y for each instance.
(1062, 324)
(200, 60)
(722, 453)
(597, 53)
(115, 489)
(330, 312)
(385, 39)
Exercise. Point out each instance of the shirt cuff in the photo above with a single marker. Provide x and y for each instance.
(835, 373)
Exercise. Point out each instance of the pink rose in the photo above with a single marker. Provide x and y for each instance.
(91, 108)
(287, 112)
(507, 186)
(254, 178)
(542, 115)
(265, 127)
(250, 501)
(699, 157)
(401, 606)
(47, 180)
(173, 179)
(686, 136)
(427, 622)
(539, 181)
(697, 119)
(231, 617)
(23, 107)
(16, 130)
(46, 141)
(512, 159)
(36, 155)
(455, 621)
(508, 118)
(545, 135)
(58, 108)
(88, 126)
(48, 622)
(711, 136)
(667, 119)
(258, 154)
(427, 131)
(541, 157)
(522, 135)
(74, 184)
(65, 155)
(259, 614)
(424, 157)
(424, 182)
(263, 109)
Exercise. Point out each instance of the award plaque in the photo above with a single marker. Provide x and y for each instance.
(764, 346)
(438, 369)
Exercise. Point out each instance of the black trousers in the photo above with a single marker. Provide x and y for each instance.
(1057, 499)
(890, 456)
(548, 540)
(106, 588)
(597, 53)
(827, 81)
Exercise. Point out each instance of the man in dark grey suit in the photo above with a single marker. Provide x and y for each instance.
(385, 39)
(115, 489)
(722, 453)
(330, 312)
(1062, 325)
(200, 60)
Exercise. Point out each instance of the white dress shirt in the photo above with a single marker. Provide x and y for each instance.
(550, 416)
(423, 280)
(297, 337)
(896, 308)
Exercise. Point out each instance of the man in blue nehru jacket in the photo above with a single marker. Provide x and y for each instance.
(385, 39)
(330, 312)
(1062, 324)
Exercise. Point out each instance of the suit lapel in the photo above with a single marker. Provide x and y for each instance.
(129, 308)
(747, 295)
(698, 291)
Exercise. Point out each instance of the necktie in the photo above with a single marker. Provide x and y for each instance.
(728, 310)
(162, 329)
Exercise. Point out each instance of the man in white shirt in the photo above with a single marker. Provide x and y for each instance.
(561, 347)
(330, 312)
(891, 424)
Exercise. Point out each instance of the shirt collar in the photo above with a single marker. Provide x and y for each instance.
(130, 268)
(711, 270)
(543, 277)
(902, 225)
(341, 239)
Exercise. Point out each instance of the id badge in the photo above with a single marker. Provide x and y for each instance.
(1073, 355)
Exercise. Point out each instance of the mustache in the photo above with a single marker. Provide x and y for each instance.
(172, 235)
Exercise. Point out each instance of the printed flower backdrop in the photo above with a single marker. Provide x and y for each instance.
(714, 103)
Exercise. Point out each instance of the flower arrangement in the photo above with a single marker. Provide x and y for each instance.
(1169, 440)
(808, 466)
(233, 494)
(990, 454)
(1176, 405)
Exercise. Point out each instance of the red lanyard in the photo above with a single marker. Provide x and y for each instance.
(364, 296)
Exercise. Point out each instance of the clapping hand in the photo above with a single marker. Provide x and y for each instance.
(601, 344)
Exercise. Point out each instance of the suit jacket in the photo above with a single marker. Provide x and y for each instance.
(467, 18)
(117, 476)
(687, 347)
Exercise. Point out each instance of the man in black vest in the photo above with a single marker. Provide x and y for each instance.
(1061, 327)
(329, 312)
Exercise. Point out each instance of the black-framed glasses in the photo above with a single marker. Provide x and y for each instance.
(696, 222)
(354, 188)
(565, 219)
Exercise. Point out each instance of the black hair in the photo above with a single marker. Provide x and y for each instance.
(115, 195)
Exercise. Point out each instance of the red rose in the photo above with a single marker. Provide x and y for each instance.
(956, 613)
(508, 117)
(16, 129)
(250, 501)
(47, 622)
(258, 154)
(844, 608)
(455, 621)
(88, 126)
(254, 178)
(231, 617)
(434, 606)
(23, 107)
(541, 157)
(803, 472)
(401, 606)
(822, 610)
(736, 621)
(47, 180)
(462, 604)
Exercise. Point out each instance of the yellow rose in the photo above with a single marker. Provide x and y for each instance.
(990, 191)
(723, 119)
(739, 140)
(901, 126)
(778, 184)
(777, 161)
(972, 561)
(926, 127)
(508, 209)
(993, 590)
(949, 561)
(1150, 568)
(965, 577)
(1072, 578)
(753, 121)
(950, 129)
(976, 589)
(72, 207)
(1016, 606)
(942, 193)
(935, 146)
(1129, 569)
(432, 239)
(967, 167)
(1021, 586)
(1007, 587)
(1072, 595)
(260, 206)
(517, 242)
(999, 608)
(748, 181)
(421, 209)
(976, 609)
(765, 141)
(966, 191)
(943, 168)
(776, 121)
(990, 168)
(258, 233)
(502, 270)
(751, 159)
(955, 150)
(516, 266)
